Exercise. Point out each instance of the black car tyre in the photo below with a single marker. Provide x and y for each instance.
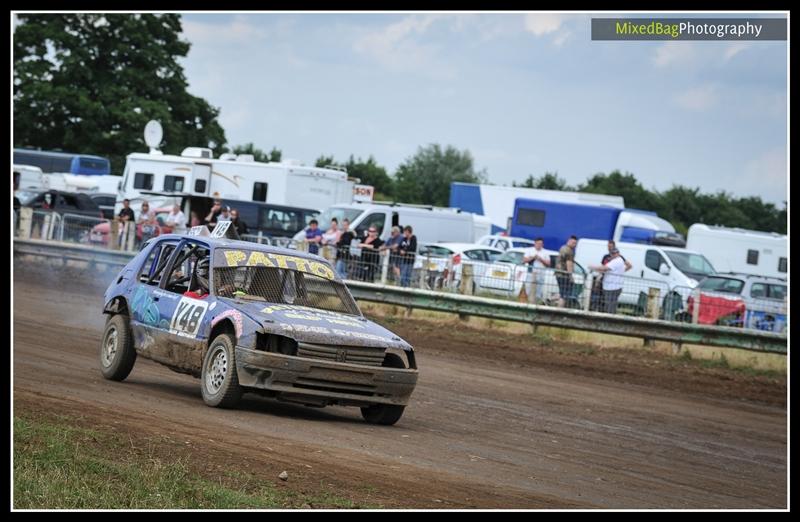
(385, 414)
(117, 354)
(219, 380)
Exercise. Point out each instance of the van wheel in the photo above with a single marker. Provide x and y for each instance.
(117, 354)
(385, 414)
(219, 380)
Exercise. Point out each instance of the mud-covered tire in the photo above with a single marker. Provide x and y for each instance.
(385, 414)
(218, 379)
(117, 354)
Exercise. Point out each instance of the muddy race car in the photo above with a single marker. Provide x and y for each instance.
(245, 317)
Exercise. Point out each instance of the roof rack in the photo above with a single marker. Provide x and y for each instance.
(335, 167)
(411, 205)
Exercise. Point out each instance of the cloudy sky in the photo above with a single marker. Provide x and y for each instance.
(525, 93)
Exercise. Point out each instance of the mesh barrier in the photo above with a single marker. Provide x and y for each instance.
(736, 310)
(76, 228)
(282, 286)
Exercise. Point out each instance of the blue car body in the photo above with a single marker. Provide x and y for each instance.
(288, 350)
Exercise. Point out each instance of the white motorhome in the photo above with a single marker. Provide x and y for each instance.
(430, 224)
(28, 177)
(739, 250)
(670, 269)
(196, 172)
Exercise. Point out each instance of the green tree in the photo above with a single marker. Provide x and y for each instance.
(625, 185)
(90, 82)
(426, 176)
(548, 181)
(258, 154)
(324, 161)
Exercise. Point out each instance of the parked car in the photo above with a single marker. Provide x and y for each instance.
(741, 300)
(506, 242)
(60, 201)
(245, 317)
(443, 262)
(105, 201)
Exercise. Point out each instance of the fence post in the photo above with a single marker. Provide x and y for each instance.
(113, 234)
(653, 295)
(259, 237)
(466, 280)
(25, 222)
(588, 285)
(696, 307)
(384, 266)
(423, 273)
(46, 226)
(130, 235)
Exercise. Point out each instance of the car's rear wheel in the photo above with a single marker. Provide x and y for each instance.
(385, 414)
(220, 382)
(117, 354)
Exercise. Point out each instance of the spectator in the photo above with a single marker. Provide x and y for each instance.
(369, 254)
(224, 214)
(195, 219)
(147, 223)
(177, 220)
(538, 261)
(126, 214)
(343, 256)
(313, 236)
(565, 265)
(241, 226)
(213, 216)
(393, 245)
(330, 238)
(597, 286)
(612, 279)
(406, 253)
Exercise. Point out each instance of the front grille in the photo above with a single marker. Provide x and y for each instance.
(347, 354)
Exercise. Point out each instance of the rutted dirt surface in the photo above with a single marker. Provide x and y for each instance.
(492, 423)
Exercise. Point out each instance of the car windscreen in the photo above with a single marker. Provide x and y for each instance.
(26, 197)
(434, 251)
(722, 284)
(691, 264)
(280, 279)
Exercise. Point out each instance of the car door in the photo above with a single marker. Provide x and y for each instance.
(144, 296)
(501, 274)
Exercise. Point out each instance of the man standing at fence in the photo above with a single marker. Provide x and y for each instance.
(177, 220)
(241, 226)
(538, 261)
(407, 252)
(313, 236)
(343, 256)
(126, 214)
(565, 265)
(612, 280)
(597, 302)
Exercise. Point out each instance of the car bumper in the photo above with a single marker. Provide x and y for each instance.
(324, 381)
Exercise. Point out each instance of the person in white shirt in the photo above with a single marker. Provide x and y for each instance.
(538, 261)
(177, 220)
(612, 279)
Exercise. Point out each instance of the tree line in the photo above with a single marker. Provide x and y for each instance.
(90, 82)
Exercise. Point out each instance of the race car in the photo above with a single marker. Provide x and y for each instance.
(245, 317)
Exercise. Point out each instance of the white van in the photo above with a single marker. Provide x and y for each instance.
(430, 224)
(28, 177)
(739, 250)
(671, 269)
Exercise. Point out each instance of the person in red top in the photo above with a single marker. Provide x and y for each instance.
(199, 288)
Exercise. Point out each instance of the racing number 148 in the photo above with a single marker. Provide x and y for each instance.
(187, 317)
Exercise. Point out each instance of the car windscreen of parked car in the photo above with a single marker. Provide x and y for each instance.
(691, 263)
(722, 284)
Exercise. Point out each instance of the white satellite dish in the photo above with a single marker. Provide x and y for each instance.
(153, 134)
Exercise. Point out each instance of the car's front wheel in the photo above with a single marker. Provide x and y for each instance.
(385, 414)
(117, 354)
(220, 382)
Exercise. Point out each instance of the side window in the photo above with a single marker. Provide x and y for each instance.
(752, 257)
(142, 180)
(183, 277)
(530, 217)
(653, 260)
(476, 255)
(782, 265)
(173, 183)
(758, 290)
(777, 292)
(372, 220)
(200, 185)
(155, 263)
(259, 191)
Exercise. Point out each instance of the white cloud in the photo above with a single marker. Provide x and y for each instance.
(698, 98)
(238, 30)
(734, 49)
(675, 53)
(767, 174)
(541, 24)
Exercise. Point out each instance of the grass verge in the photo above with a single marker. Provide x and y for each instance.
(58, 465)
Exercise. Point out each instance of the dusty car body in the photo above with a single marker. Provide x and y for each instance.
(275, 321)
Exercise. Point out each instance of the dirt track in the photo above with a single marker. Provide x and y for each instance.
(481, 431)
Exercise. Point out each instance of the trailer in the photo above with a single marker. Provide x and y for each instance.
(740, 250)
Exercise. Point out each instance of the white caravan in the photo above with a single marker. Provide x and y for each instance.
(28, 177)
(739, 250)
(197, 173)
(430, 224)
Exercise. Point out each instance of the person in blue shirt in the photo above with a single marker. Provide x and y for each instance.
(313, 236)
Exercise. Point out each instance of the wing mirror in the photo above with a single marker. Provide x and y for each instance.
(663, 269)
